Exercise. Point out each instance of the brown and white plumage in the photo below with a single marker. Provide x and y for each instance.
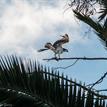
(57, 46)
(50, 46)
(62, 41)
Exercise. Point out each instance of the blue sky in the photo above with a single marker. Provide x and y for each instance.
(26, 25)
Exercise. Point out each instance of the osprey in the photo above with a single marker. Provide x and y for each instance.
(56, 47)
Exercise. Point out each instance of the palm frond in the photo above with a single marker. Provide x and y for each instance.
(103, 10)
(28, 84)
(100, 30)
(86, 19)
(16, 81)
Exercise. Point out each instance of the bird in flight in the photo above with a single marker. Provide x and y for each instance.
(56, 47)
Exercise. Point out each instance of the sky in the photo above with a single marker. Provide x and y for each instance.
(26, 25)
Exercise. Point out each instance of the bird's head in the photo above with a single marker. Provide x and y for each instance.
(65, 50)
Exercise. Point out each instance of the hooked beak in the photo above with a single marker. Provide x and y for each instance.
(65, 50)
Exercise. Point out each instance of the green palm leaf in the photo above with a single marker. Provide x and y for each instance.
(28, 84)
(103, 10)
(100, 30)
(16, 86)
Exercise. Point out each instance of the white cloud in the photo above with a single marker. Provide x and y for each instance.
(25, 27)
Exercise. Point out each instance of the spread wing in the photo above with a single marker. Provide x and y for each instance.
(40, 50)
(49, 46)
(62, 41)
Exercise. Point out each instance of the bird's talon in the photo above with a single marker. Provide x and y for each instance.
(57, 59)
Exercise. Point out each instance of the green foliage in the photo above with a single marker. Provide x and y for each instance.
(100, 29)
(24, 83)
(89, 7)
(103, 10)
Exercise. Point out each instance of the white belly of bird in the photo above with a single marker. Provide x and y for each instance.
(59, 50)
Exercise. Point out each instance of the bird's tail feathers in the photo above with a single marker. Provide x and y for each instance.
(40, 50)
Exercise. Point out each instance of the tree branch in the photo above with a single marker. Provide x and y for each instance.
(101, 90)
(79, 58)
(98, 81)
(66, 66)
